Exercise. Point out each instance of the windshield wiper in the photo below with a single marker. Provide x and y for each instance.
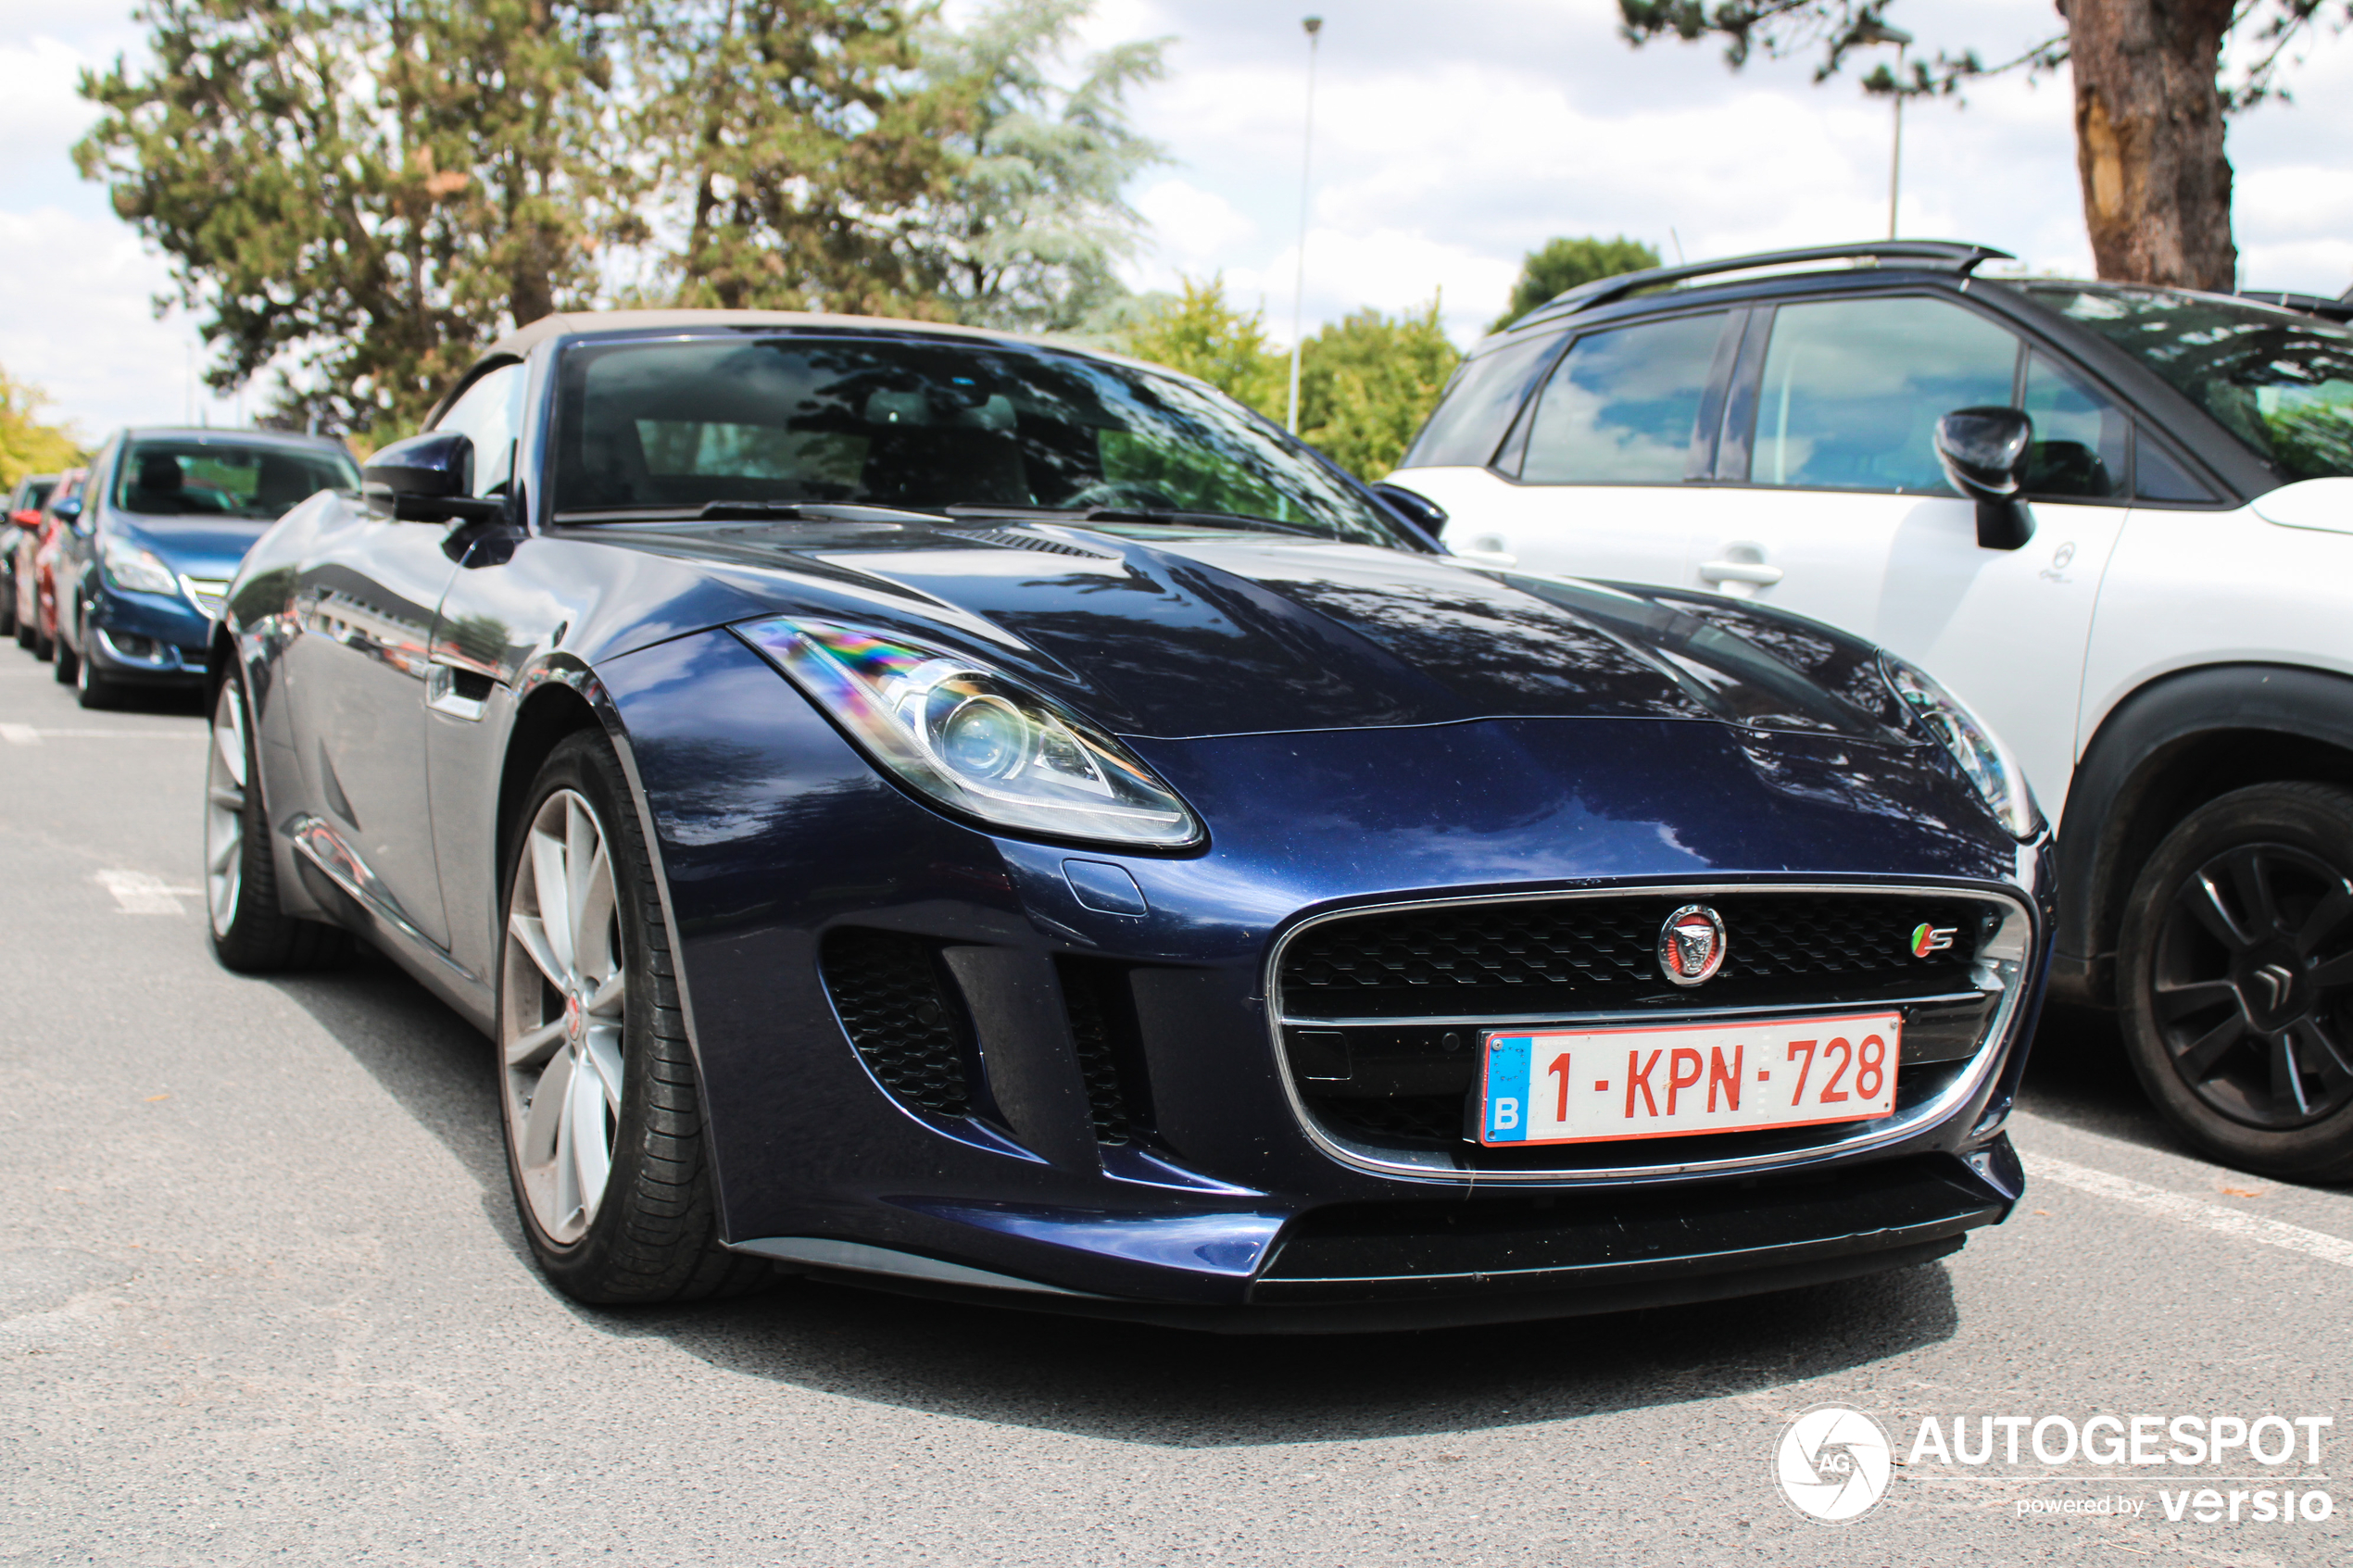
(1162, 517)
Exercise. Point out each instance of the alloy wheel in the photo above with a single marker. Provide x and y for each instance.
(225, 810)
(2252, 985)
(560, 1030)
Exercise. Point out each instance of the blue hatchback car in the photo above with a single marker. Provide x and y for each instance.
(170, 514)
(960, 814)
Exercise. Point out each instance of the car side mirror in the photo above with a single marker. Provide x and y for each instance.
(428, 479)
(25, 517)
(1414, 507)
(1983, 453)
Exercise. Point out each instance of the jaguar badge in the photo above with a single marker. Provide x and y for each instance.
(1690, 945)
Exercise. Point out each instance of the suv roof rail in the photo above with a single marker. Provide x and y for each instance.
(1943, 256)
(2327, 310)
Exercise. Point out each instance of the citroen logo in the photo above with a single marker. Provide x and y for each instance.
(2278, 984)
(1690, 945)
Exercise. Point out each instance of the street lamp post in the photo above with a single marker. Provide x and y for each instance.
(1879, 33)
(1315, 26)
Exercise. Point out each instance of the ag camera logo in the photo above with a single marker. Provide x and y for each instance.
(1833, 1464)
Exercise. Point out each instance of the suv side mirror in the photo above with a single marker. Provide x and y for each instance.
(1983, 453)
(28, 518)
(426, 479)
(1414, 507)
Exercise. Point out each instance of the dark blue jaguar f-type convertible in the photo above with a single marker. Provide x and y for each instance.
(969, 816)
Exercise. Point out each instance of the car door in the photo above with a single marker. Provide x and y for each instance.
(1846, 513)
(1595, 471)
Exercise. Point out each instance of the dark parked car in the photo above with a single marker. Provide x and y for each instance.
(23, 515)
(933, 810)
(168, 515)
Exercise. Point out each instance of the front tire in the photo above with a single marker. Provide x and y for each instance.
(68, 664)
(250, 932)
(2237, 969)
(602, 1107)
(92, 689)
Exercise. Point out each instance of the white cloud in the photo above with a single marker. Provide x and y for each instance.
(1192, 229)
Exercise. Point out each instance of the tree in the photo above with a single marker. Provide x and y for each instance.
(1032, 220)
(1200, 334)
(361, 189)
(2152, 87)
(1563, 264)
(1367, 382)
(802, 142)
(26, 445)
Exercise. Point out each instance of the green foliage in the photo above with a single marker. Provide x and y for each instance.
(1203, 335)
(803, 142)
(1367, 382)
(26, 445)
(1563, 264)
(365, 188)
(1031, 220)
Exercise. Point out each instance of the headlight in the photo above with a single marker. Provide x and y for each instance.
(1985, 759)
(128, 567)
(975, 741)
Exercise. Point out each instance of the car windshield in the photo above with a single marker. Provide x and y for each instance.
(927, 425)
(2283, 382)
(193, 478)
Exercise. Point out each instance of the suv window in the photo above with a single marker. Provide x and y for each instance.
(2281, 382)
(2080, 438)
(1624, 406)
(1853, 389)
(1478, 406)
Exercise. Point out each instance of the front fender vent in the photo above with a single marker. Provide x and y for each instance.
(903, 1015)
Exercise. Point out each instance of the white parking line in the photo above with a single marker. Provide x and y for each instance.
(2191, 1211)
(25, 734)
(142, 892)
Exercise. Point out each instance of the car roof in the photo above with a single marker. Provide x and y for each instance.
(238, 435)
(581, 323)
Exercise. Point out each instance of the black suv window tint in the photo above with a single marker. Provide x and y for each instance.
(1853, 389)
(1624, 406)
(2080, 438)
(1478, 406)
(2280, 382)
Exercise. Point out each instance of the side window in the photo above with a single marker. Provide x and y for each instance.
(1478, 406)
(490, 414)
(1623, 407)
(2079, 437)
(2156, 477)
(1853, 389)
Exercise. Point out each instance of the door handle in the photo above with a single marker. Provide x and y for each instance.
(1740, 571)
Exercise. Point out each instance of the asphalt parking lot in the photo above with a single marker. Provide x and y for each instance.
(262, 1298)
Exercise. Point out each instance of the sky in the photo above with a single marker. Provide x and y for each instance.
(1448, 141)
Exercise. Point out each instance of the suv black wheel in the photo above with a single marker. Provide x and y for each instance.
(2237, 979)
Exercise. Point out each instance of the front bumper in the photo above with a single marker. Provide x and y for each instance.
(146, 638)
(1144, 1156)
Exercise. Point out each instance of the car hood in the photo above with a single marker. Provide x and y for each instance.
(1176, 634)
(199, 546)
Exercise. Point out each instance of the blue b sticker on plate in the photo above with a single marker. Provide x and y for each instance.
(1506, 1094)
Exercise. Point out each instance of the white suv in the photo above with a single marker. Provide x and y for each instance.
(2145, 588)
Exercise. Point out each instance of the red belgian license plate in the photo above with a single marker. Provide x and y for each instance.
(1592, 1085)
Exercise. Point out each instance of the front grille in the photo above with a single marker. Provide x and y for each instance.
(901, 1016)
(1583, 955)
(1383, 1013)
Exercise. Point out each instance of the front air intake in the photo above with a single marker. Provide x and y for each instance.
(902, 1016)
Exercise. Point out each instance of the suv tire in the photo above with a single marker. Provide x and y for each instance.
(2237, 974)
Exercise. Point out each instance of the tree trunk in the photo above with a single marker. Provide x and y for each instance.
(2148, 139)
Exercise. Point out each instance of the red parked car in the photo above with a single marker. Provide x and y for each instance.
(24, 512)
(36, 554)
